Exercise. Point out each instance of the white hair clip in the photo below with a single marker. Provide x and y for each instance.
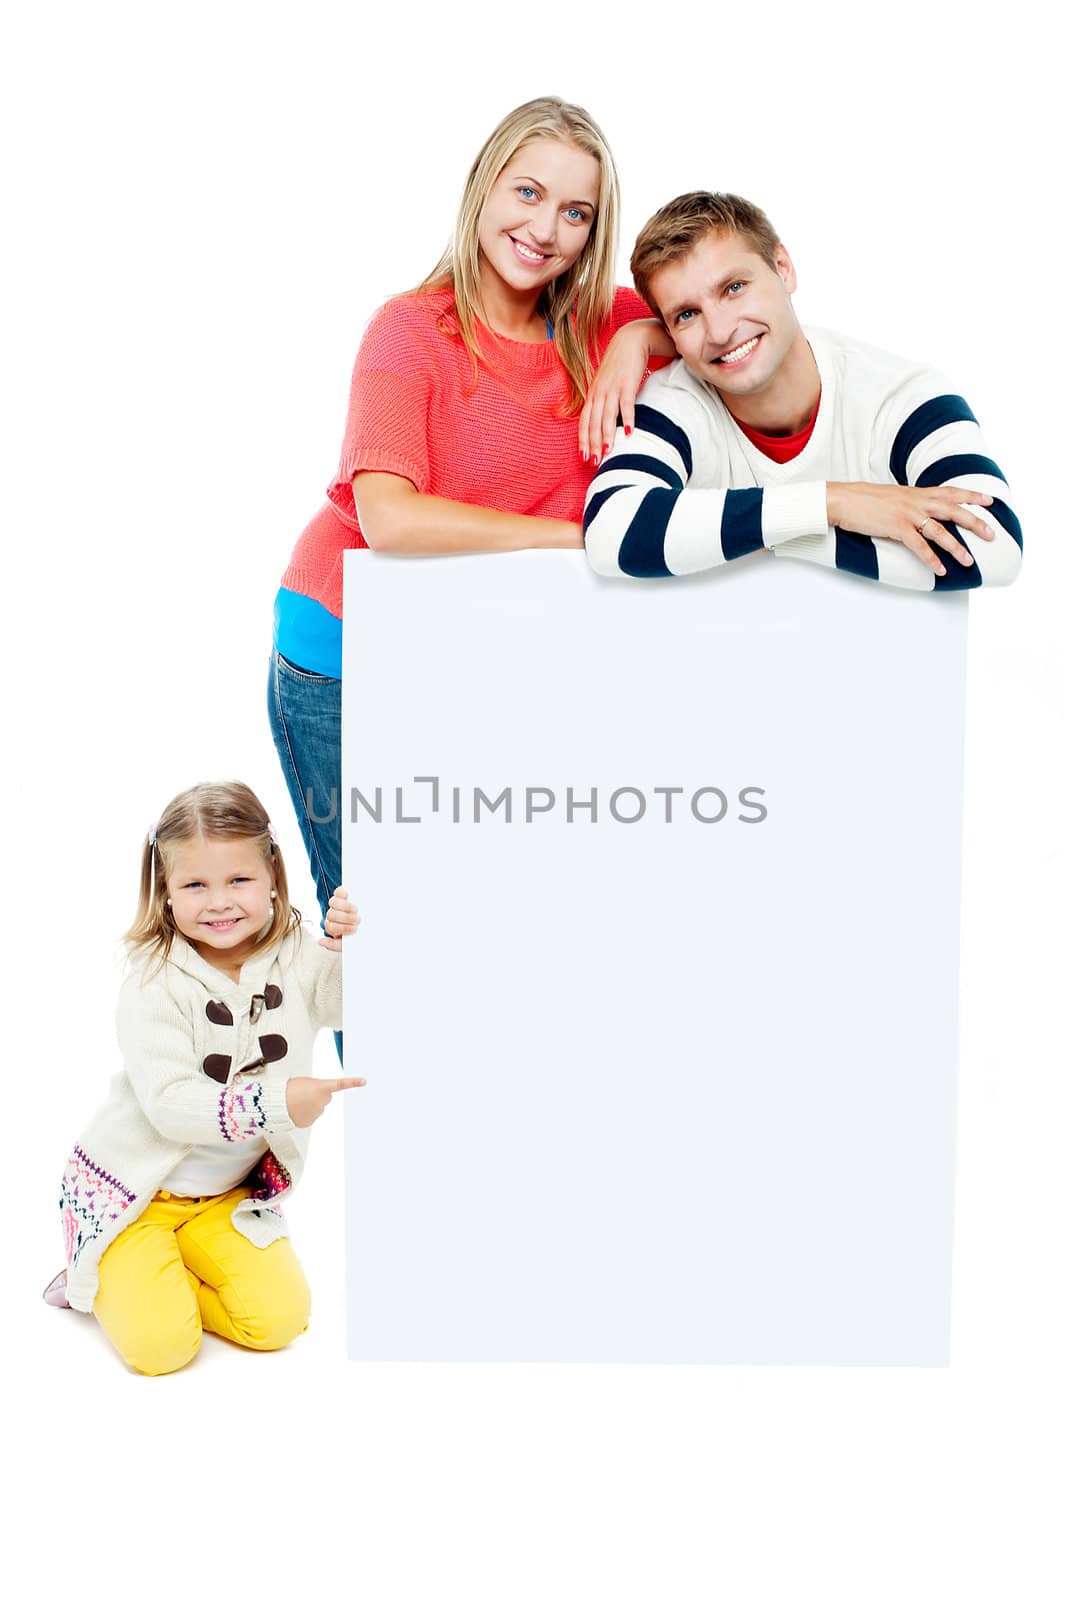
(152, 835)
(270, 831)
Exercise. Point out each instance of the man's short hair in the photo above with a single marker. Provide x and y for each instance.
(675, 230)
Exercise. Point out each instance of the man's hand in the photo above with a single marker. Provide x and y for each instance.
(307, 1098)
(341, 917)
(913, 517)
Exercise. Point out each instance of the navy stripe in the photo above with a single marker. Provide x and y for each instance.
(958, 577)
(599, 499)
(957, 467)
(1005, 515)
(652, 421)
(741, 524)
(649, 464)
(642, 553)
(856, 552)
(920, 423)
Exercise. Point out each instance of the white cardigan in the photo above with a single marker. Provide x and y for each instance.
(194, 1073)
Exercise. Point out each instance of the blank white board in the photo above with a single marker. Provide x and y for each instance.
(672, 1079)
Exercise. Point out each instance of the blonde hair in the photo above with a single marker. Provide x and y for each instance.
(578, 302)
(210, 811)
(675, 229)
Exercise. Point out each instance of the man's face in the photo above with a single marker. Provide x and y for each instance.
(729, 313)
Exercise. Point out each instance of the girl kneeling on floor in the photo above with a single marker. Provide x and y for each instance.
(170, 1197)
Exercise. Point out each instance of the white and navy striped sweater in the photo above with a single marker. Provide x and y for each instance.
(687, 490)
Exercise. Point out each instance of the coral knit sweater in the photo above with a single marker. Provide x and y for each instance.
(503, 442)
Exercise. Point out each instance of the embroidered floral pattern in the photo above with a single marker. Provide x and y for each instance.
(269, 1178)
(240, 1112)
(89, 1198)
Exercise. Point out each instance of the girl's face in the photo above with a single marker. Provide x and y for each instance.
(538, 217)
(219, 891)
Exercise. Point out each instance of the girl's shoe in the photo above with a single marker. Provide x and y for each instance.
(56, 1292)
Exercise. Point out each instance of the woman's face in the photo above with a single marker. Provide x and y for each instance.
(538, 217)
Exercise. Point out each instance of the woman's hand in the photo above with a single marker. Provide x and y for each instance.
(613, 390)
(617, 383)
(913, 517)
(307, 1098)
(341, 917)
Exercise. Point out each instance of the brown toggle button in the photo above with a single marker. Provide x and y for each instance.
(217, 1067)
(274, 1047)
(271, 998)
(218, 1011)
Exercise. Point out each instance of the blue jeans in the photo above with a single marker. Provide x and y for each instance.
(304, 711)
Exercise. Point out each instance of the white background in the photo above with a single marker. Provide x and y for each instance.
(204, 203)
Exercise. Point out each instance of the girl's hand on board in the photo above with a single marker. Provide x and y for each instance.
(341, 917)
(307, 1098)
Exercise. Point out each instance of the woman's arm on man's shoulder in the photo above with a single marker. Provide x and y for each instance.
(640, 343)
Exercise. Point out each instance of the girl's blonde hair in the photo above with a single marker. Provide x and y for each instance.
(210, 811)
(579, 301)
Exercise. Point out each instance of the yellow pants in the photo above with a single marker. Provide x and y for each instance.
(182, 1267)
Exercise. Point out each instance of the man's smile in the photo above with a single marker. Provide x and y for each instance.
(733, 358)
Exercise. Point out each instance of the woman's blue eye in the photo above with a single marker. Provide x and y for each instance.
(523, 190)
(575, 215)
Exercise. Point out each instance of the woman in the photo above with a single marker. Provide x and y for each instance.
(462, 431)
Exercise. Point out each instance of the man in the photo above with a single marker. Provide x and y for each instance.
(766, 436)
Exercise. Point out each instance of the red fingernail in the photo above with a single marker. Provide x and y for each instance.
(628, 430)
(595, 461)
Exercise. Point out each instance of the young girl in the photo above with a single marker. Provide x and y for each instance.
(462, 430)
(170, 1197)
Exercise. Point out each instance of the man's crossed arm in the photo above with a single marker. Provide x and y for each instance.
(940, 518)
